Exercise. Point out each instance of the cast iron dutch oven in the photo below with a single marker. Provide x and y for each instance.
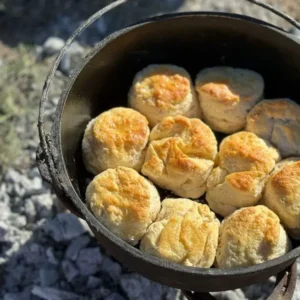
(191, 40)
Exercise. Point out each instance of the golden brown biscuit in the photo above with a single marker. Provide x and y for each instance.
(117, 137)
(181, 156)
(123, 201)
(250, 236)
(226, 95)
(282, 194)
(159, 91)
(277, 121)
(185, 232)
(245, 151)
(244, 162)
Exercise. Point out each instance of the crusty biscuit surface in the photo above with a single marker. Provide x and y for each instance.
(250, 236)
(163, 90)
(123, 201)
(180, 156)
(282, 194)
(244, 162)
(185, 232)
(117, 137)
(278, 121)
(226, 95)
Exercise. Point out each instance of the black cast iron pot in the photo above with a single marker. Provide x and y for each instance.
(193, 41)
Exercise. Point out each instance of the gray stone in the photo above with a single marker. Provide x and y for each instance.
(172, 294)
(64, 227)
(89, 261)
(75, 49)
(48, 275)
(18, 190)
(101, 26)
(13, 296)
(93, 282)
(36, 183)
(76, 245)
(131, 285)
(29, 210)
(111, 268)
(43, 205)
(17, 220)
(34, 254)
(5, 212)
(115, 296)
(13, 176)
(51, 256)
(53, 45)
(4, 230)
(70, 270)
(54, 294)
(16, 296)
(79, 284)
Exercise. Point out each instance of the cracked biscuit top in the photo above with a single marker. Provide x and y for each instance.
(185, 232)
(163, 90)
(181, 155)
(277, 121)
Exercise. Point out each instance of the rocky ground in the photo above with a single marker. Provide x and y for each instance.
(45, 252)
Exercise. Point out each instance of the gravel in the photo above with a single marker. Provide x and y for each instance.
(47, 253)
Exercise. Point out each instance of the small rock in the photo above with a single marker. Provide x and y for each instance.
(65, 65)
(48, 276)
(111, 268)
(101, 26)
(17, 220)
(63, 285)
(43, 205)
(132, 286)
(79, 284)
(76, 49)
(5, 212)
(54, 294)
(101, 293)
(70, 270)
(52, 46)
(34, 254)
(36, 183)
(51, 256)
(4, 230)
(18, 190)
(76, 245)
(114, 296)
(29, 211)
(13, 176)
(93, 282)
(89, 261)
(64, 227)
(12, 296)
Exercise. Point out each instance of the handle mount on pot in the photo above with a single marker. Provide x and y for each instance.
(284, 289)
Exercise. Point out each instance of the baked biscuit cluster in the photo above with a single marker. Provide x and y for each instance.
(229, 205)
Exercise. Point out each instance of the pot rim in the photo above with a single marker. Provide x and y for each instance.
(65, 180)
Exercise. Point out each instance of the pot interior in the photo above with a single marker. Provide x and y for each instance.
(193, 41)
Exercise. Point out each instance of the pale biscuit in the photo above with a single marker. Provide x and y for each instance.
(180, 156)
(117, 137)
(282, 194)
(250, 236)
(244, 162)
(123, 201)
(185, 232)
(163, 90)
(226, 95)
(277, 121)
